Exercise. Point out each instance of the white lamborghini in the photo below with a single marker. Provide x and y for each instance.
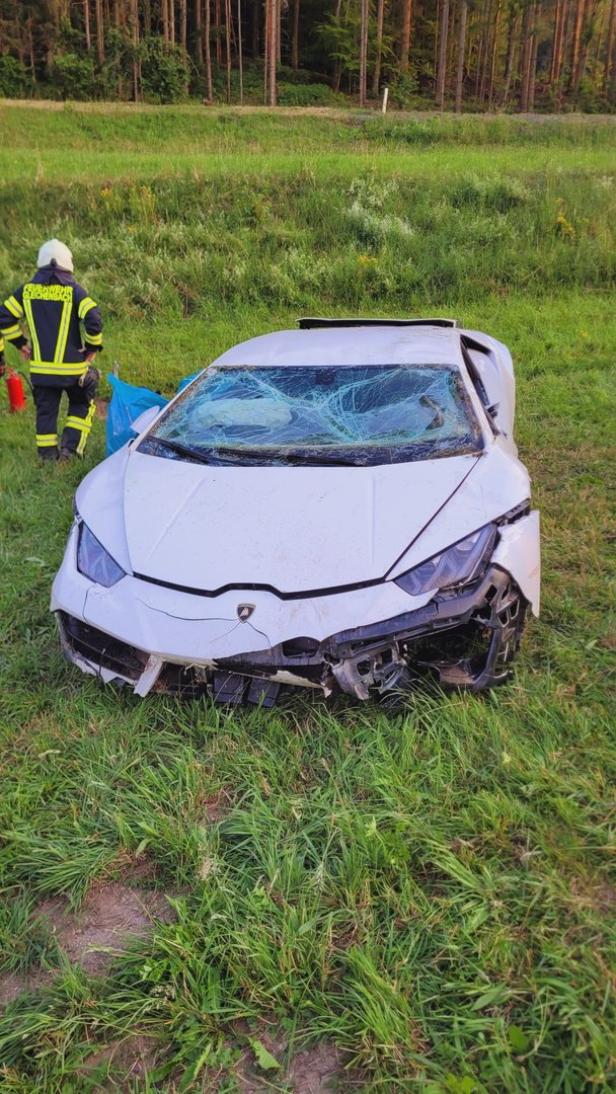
(337, 507)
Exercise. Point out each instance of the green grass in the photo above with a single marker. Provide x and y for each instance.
(430, 891)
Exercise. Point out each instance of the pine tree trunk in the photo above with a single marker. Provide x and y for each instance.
(228, 46)
(266, 51)
(511, 47)
(199, 33)
(86, 24)
(183, 23)
(100, 32)
(172, 22)
(480, 53)
(526, 55)
(487, 53)
(461, 51)
(240, 50)
(533, 69)
(31, 51)
(495, 44)
(405, 34)
(295, 36)
(442, 57)
(376, 75)
(165, 17)
(363, 53)
(578, 23)
(273, 52)
(207, 49)
(135, 37)
(558, 13)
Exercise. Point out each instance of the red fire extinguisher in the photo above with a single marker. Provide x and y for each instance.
(15, 391)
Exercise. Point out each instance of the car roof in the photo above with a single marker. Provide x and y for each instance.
(358, 345)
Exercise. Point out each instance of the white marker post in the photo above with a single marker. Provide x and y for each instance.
(385, 98)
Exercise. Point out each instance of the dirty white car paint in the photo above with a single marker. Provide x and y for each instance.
(234, 576)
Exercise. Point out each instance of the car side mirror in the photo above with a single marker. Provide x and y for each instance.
(144, 420)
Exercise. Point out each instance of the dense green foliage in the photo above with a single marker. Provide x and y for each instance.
(429, 891)
(551, 55)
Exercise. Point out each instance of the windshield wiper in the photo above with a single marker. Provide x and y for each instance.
(180, 449)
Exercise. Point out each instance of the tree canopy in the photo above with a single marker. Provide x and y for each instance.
(552, 55)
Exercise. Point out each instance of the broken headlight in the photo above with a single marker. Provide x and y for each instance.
(456, 566)
(94, 561)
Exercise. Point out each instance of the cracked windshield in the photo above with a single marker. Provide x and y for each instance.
(355, 414)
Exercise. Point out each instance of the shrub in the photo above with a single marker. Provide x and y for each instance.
(307, 95)
(74, 77)
(13, 77)
(404, 90)
(164, 70)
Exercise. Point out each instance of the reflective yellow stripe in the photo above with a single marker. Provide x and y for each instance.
(86, 305)
(88, 425)
(12, 332)
(46, 440)
(65, 320)
(36, 349)
(77, 423)
(50, 368)
(13, 305)
(94, 339)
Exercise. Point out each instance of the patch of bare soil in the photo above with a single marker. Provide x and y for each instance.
(129, 1059)
(102, 406)
(13, 984)
(317, 1070)
(111, 916)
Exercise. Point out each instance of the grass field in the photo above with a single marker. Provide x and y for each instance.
(418, 902)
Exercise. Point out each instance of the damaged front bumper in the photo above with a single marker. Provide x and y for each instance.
(464, 638)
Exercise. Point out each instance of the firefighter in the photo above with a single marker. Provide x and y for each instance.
(56, 308)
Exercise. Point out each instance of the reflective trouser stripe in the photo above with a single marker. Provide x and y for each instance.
(81, 425)
(46, 440)
(76, 423)
(85, 429)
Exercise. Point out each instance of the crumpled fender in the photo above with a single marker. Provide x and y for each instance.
(519, 553)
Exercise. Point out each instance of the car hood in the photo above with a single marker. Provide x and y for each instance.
(294, 529)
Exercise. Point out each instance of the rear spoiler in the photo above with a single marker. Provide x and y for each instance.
(313, 323)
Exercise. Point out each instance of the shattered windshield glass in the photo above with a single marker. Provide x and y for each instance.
(357, 414)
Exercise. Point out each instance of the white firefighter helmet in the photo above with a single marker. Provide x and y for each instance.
(55, 253)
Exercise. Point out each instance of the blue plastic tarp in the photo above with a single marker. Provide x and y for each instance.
(127, 403)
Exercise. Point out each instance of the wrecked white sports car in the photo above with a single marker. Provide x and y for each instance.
(337, 507)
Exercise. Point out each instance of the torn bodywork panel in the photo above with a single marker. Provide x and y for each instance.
(465, 639)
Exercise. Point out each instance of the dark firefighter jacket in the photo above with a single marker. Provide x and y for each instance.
(54, 306)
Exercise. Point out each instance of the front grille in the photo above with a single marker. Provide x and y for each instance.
(101, 649)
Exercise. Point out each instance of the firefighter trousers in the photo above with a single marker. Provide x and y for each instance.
(81, 410)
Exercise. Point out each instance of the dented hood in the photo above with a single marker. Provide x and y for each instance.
(291, 528)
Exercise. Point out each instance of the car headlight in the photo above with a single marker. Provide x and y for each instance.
(456, 566)
(94, 561)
